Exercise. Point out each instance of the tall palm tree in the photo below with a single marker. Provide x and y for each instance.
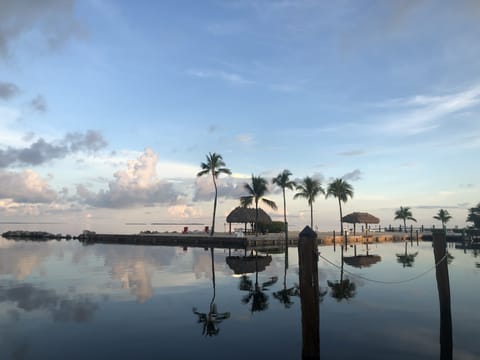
(283, 180)
(404, 214)
(443, 216)
(309, 189)
(342, 190)
(257, 190)
(214, 166)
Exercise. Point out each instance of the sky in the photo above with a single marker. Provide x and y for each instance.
(107, 108)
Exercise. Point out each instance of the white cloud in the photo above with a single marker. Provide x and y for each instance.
(25, 187)
(422, 113)
(232, 78)
(134, 186)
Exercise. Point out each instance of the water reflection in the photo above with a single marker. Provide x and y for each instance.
(285, 295)
(211, 319)
(21, 258)
(406, 259)
(63, 308)
(255, 292)
(343, 289)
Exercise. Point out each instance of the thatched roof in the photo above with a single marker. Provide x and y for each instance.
(362, 260)
(248, 264)
(360, 218)
(247, 215)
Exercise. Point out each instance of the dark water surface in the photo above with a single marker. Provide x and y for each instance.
(63, 300)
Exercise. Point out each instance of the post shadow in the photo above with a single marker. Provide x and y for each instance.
(309, 293)
(443, 287)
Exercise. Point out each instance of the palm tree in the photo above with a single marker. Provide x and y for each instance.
(404, 214)
(257, 190)
(283, 181)
(215, 166)
(443, 216)
(342, 190)
(474, 216)
(309, 189)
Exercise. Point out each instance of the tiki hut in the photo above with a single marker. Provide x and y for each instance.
(244, 215)
(360, 218)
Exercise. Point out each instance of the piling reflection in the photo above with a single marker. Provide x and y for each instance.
(213, 318)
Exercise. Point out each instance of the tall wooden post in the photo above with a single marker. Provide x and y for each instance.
(443, 286)
(309, 293)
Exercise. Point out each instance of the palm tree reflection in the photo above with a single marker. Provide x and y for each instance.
(343, 289)
(256, 292)
(406, 259)
(284, 295)
(211, 319)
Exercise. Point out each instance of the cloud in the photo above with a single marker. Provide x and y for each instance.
(39, 104)
(422, 113)
(51, 21)
(63, 309)
(8, 90)
(227, 188)
(25, 187)
(42, 151)
(137, 185)
(184, 211)
(232, 78)
(353, 175)
(352, 153)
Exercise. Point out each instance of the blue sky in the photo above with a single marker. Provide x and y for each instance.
(107, 107)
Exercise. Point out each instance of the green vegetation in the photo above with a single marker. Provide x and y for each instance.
(342, 190)
(257, 190)
(404, 214)
(474, 216)
(215, 166)
(309, 189)
(443, 216)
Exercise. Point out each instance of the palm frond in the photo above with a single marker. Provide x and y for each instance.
(270, 203)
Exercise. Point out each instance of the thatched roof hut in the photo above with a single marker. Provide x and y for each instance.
(244, 215)
(360, 218)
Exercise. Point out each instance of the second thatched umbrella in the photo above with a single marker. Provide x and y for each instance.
(244, 215)
(360, 218)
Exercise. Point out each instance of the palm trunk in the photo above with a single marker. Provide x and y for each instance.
(405, 225)
(286, 230)
(341, 220)
(311, 216)
(212, 231)
(256, 217)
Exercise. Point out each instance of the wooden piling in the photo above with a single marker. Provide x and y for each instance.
(309, 293)
(443, 287)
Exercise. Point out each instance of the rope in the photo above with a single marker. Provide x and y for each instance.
(385, 282)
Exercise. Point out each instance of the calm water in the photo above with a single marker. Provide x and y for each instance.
(63, 300)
